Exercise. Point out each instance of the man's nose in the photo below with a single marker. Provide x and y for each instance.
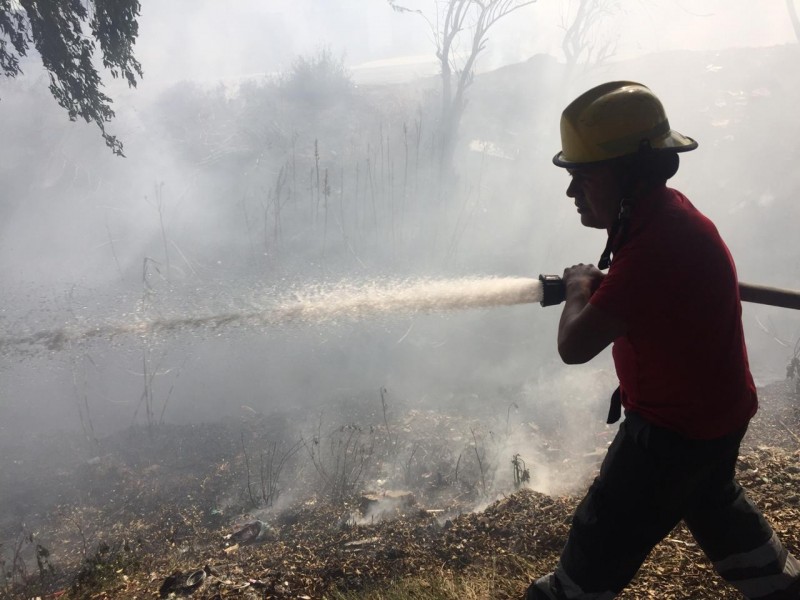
(571, 189)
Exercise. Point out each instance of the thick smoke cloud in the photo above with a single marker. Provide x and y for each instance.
(223, 202)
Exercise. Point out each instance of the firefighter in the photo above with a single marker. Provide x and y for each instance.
(670, 305)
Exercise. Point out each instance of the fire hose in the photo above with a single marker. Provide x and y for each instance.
(553, 292)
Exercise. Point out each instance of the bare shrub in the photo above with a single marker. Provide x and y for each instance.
(342, 460)
(318, 81)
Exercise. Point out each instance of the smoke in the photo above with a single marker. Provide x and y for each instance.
(238, 188)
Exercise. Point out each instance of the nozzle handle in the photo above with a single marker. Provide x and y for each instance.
(771, 296)
(553, 290)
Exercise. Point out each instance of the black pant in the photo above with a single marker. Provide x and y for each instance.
(650, 480)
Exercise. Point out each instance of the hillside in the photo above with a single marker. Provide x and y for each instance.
(325, 485)
(142, 521)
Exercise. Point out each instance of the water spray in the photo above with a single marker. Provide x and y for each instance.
(317, 304)
(348, 301)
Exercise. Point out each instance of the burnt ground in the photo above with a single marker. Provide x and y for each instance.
(159, 510)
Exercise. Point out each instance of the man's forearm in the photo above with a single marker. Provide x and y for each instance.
(570, 344)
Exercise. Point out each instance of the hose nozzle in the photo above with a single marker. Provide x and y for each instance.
(553, 291)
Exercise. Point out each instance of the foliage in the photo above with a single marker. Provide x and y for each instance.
(57, 31)
(105, 567)
(273, 459)
(341, 460)
(318, 81)
(522, 474)
(15, 577)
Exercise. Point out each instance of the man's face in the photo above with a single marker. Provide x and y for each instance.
(597, 195)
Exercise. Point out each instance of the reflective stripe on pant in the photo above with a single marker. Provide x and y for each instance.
(650, 479)
(758, 570)
(764, 573)
(563, 588)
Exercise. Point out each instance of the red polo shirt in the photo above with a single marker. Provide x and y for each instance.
(683, 363)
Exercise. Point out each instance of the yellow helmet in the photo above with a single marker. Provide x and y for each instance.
(612, 120)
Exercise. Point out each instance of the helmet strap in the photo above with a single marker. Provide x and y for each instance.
(618, 233)
(628, 181)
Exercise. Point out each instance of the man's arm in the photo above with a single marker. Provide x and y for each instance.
(584, 331)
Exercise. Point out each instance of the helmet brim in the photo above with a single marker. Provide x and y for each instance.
(675, 142)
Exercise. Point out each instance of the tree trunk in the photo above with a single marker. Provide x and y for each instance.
(794, 18)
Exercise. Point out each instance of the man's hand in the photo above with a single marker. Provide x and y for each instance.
(582, 278)
(584, 331)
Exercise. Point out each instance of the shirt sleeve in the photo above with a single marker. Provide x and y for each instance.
(624, 290)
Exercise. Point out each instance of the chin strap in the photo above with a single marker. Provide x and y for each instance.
(618, 231)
